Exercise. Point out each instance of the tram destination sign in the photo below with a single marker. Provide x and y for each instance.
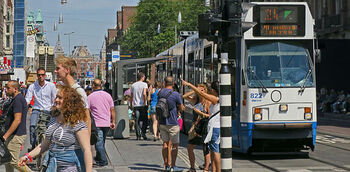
(279, 20)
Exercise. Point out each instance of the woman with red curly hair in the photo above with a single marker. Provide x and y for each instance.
(67, 132)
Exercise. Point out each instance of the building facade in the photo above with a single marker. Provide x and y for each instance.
(122, 24)
(19, 33)
(8, 32)
(38, 52)
(88, 66)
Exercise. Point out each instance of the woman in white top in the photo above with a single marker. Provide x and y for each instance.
(213, 136)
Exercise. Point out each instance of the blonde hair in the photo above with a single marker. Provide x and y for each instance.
(67, 63)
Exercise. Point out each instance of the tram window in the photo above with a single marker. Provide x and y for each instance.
(207, 65)
(190, 67)
(198, 68)
(215, 70)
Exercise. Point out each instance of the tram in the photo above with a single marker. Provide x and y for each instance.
(273, 77)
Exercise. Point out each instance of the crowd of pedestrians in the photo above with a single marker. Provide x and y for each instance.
(64, 112)
(143, 95)
(333, 101)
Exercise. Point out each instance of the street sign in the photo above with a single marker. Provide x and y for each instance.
(115, 56)
(90, 74)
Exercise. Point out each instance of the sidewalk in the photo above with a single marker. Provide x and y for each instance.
(144, 155)
(334, 124)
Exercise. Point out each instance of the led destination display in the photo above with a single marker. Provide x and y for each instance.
(279, 21)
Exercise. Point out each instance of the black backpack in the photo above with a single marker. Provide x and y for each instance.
(162, 107)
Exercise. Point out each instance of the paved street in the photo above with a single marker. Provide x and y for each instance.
(332, 153)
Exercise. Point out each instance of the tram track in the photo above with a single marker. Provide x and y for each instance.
(329, 163)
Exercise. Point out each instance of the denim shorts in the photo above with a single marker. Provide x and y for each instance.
(152, 110)
(213, 146)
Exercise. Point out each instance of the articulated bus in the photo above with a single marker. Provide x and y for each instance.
(273, 80)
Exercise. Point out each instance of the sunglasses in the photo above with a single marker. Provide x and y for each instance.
(41, 74)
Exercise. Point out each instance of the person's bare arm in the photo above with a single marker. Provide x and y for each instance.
(145, 96)
(201, 113)
(38, 150)
(213, 99)
(88, 120)
(112, 126)
(188, 96)
(14, 125)
(84, 140)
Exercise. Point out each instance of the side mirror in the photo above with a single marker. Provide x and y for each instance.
(318, 55)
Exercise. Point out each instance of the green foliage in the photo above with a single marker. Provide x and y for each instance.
(142, 39)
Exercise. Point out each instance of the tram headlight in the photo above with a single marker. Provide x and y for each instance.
(307, 113)
(257, 117)
(257, 114)
(283, 108)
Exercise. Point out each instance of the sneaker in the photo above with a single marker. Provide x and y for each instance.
(174, 169)
(167, 168)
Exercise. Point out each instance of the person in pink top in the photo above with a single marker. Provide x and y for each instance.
(102, 109)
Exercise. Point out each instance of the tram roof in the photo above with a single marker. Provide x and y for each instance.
(141, 60)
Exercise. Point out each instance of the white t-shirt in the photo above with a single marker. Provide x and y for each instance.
(215, 121)
(82, 93)
(137, 91)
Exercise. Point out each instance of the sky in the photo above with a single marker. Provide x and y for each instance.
(88, 19)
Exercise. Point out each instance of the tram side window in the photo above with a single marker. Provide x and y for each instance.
(190, 67)
(208, 67)
(215, 69)
(198, 68)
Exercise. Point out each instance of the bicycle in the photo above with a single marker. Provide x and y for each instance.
(40, 130)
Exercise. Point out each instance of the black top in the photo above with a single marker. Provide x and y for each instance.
(18, 105)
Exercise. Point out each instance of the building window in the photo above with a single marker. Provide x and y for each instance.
(7, 41)
(7, 28)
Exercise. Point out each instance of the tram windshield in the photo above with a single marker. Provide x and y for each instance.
(278, 64)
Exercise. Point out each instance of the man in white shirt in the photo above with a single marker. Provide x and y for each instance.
(139, 103)
(44, 94)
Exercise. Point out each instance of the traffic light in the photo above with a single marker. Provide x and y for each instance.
(208, 25)
(232, 12)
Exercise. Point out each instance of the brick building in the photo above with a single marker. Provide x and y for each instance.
(122, 24)
(88, 66)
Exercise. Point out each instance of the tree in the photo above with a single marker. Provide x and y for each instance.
(142, 39)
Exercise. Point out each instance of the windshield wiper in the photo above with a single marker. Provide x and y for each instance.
(302, 87)
(264, 90)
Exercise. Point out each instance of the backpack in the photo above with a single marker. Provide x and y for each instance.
(162, 107)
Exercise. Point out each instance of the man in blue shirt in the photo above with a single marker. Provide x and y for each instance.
(44, 93)
(169, 127)
(15, 125)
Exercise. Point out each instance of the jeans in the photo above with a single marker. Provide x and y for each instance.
(51, 159)
(101, 158)
(141, 119)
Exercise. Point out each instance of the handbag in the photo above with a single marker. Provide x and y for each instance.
(5, 156)
(94, 135)
(202, 125)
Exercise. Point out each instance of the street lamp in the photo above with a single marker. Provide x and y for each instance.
(69, 41)
(179, 21)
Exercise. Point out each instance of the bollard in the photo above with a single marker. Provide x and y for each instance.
(225, 115)
(122, 130)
